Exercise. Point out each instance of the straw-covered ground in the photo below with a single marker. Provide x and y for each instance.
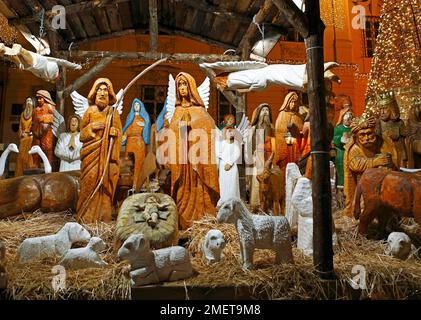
(386, 277)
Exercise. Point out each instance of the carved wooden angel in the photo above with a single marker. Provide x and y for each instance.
(245, 76)
(46, 68)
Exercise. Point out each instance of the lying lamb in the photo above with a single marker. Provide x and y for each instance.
(87, 257)
(56, 244)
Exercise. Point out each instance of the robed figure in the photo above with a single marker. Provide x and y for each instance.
(99, 124)
(24, 159)
(136, 135)
(194, 173)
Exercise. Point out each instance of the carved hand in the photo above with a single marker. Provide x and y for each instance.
(98, 125)
(227, 167)
(114, 132)
(381, 160)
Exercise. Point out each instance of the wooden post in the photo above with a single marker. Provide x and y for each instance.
(153, 25)
(60, 85)
(321, 189)
(311, 28)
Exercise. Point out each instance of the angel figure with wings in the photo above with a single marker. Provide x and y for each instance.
(100, 159)
(46, 68)
(194, 184)
(136, 135)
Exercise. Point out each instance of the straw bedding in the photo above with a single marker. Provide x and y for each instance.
(387, 278)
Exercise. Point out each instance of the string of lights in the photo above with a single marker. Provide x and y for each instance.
(396, 64)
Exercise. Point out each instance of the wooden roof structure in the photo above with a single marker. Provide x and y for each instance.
(225, 23)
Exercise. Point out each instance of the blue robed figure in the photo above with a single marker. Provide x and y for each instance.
(136, 135)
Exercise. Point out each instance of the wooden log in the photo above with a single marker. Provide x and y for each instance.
(252, 30)
(60, 86)
(88, 76)
(153, 26)
(185, 57)
(294, 15)
(320, 145)
(70, 9)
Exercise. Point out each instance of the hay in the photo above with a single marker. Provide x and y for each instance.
(34, 280)
(387, 278)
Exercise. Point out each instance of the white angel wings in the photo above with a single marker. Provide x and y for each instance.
(80, 103)
(203, 89)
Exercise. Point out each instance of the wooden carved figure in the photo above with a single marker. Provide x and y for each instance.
(68, 146)
(136, 136)
(24, 160)
(364, 151)
(263, 145)
(288, 127)
(390, 125)
(341, 136)
(386, 194)
(42, 125)
(414, 137)
(100, 159)
(194, 173)
(46, 68)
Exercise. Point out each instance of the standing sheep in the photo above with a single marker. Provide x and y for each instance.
(257, 232)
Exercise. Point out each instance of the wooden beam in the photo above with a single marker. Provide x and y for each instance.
(88, 76)
(231, 97)
(245, 43)
(294, 15)
(104, 37)
(185, 57)
(70, 9)
(220, 12)
(320, 145)
(37, 8)
(60, 86)
(153, 26)
(194, 36)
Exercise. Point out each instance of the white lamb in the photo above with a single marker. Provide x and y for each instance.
(213, 245)
(87, 257)
(56, 244)
(153, 266)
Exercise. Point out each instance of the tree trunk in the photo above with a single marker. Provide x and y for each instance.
(320, 145)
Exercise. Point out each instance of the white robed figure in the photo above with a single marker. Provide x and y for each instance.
(68, 146)
(229, 155)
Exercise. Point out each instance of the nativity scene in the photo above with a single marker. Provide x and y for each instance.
(255, 154)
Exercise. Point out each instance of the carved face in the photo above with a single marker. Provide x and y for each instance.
(29, 106)
(102, 99)
(40, 100)
(183, 88)
(347, 119)
(230, 134)
(74, 125)
(136, 107)
(230, 121)
(385, 113)
(215, 239)
(367, 137)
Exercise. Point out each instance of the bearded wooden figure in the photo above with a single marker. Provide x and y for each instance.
(100, 159)
(364, 151)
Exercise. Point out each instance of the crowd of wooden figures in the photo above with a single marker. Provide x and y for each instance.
(105, 171)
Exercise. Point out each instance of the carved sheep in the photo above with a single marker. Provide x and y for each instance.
(213, 245)
(257, 232)
(56, 244)
(3, 274)
(153, 266)
(398, 245)
(87, 257)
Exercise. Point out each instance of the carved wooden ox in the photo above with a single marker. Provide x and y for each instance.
(386, 193)
(271, 187)
(50, 192)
